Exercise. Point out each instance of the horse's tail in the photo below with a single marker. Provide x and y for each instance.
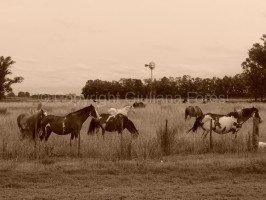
(196, 125)
(92, 127)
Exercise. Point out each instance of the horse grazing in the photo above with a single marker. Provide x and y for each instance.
(125, 110)
(69, 124)
(193, 111)
(30, 124)
(112, 123)
(139, 105)
(222, 124)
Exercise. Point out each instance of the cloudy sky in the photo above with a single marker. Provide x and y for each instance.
(59, 44)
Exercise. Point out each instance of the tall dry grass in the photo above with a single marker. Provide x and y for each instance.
(150, 122)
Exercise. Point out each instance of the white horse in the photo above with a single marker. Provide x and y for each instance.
(125, 110)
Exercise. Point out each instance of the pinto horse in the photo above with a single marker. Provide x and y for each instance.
(69, 124)
(193, 111)
(125, 110)
(222, 124)
(112, 123)
(30, 124)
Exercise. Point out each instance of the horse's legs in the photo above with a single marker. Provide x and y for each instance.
(78, 134)
(48, 133)
(234, 132)
(42, 136)
(103, 132)
(205, 135)
(71, 138)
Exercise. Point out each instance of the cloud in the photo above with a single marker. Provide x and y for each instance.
(25, 60)
(222, 50)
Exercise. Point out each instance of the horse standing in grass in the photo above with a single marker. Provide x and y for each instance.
(125, 110)
(69, 124)
(112, 123)
(30, 124)
(193, 111)
(139, 105)
(222, 124)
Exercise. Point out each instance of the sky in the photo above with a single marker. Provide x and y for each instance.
(58, 45)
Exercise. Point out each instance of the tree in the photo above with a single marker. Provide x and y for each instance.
(254, 68)
(21, 94)
(5, 82)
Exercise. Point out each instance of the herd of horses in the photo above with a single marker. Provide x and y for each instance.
(116, 120)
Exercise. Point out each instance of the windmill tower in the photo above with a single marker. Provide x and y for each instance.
(151, 65)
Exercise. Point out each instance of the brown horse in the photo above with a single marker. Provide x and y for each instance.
(30, 124)
(193, 111)
(69, 124)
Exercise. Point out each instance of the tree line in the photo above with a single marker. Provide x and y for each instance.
(250, 83)
(166, 87)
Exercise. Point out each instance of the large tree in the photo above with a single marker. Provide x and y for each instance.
(255, 68)
(5, 82)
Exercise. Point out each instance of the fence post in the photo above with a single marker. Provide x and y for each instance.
(166, 138)
(121, 141)
(79, 143)
(255, 133)
(211, 146)
(35, 138)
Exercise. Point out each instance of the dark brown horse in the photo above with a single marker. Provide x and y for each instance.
(112, 123)
(139, 105)
(30, 124)
(193, 111)
(69, 124)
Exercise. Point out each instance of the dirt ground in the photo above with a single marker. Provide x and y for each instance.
(178, 177)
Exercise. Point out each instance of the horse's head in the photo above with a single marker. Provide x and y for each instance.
(93, 112)
(256, 113)
(40, 114)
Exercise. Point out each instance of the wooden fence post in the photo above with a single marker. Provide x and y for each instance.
(79, 143)
(255, 133)
(166, 137)
(211, 146)
(121, 142)
(35, 138)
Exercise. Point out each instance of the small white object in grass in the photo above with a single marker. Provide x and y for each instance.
(262, 144)
(161, 161)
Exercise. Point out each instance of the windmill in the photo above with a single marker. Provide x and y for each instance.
(151, 65)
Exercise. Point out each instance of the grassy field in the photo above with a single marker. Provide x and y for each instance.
(201, 177)
(139, 170)
(149, 121)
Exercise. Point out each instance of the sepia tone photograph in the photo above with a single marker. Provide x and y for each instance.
(132, 100)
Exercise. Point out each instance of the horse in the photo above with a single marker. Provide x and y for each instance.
(139, 105)
(222, 124)
(112, 123)
(30, 124)
(69, 124)
(125, 110)
(193, 111)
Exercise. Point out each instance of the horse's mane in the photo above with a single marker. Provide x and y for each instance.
(79, 111)
(246, 112)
